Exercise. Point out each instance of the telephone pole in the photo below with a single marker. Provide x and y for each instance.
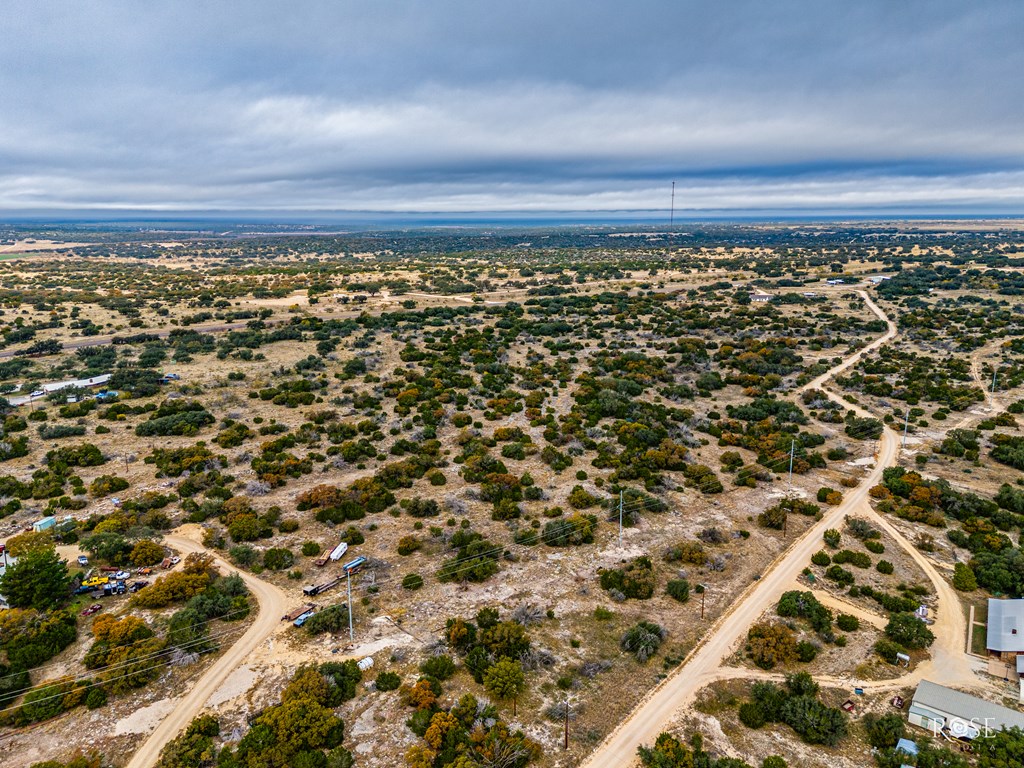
(351, 633)
(565, 744)
(994, 374)
(906, 426)
(703, 594)
(620, 519)
(792, 451)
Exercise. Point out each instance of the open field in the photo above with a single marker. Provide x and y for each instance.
(474, 416)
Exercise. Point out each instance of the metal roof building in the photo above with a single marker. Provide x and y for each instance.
(1005, 626)
(937, 708)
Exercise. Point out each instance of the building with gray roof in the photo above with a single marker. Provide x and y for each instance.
(939, 710)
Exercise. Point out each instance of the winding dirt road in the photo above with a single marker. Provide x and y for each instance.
(948, 664)
(272, 605)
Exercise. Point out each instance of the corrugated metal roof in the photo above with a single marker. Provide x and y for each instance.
(95, 381)
(945, 700)
(1006, 625)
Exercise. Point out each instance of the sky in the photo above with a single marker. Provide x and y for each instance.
(447, 106)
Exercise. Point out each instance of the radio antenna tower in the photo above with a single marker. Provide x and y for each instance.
(672, 212)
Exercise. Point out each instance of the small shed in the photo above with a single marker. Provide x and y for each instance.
(45, 524)
(906, 745)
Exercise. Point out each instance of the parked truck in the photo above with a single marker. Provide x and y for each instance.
(293, 614)
(301, 619)
(316, 589)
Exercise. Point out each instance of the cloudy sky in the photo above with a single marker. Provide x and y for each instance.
(285, 106)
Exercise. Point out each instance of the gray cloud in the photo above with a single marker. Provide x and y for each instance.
(471, 105)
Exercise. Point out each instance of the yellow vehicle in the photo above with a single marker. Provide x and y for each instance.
(95, 581)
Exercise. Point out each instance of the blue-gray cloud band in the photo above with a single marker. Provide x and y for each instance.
(449, 106)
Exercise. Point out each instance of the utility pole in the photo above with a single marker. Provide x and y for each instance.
(792, 451)
(565, 744)
(620, 519)
(351, 634)
(703, 594)
(994, 374)
(906, 426)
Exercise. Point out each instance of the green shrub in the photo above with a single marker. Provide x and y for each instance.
(643, 640)
(887, 649)
(856, 559)
(806, 652)
(751, 714)
(884, 732)
(388, 681)
(412, 581)
(439, 667)
(635, 580)
(964, 579)
(408, 544)
(847, 623)
(243, 554)
(678, 589)
(311, 549)
(839, 575)
(278, 559)
(909, 631)
(570, 531)
(95, 698)
(821, 558)
(332, 619)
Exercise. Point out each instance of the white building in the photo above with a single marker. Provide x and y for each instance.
(1004, 640)
(939, 710)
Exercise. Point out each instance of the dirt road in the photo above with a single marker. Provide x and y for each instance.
(852, 359)
(993, 405)
(948, 664)
(704, 665)
(272, 605)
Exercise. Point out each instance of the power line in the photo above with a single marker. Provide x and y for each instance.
(136, 642)
(99, 675)
(538, 537)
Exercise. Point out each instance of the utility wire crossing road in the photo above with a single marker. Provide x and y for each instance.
(272, 604)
